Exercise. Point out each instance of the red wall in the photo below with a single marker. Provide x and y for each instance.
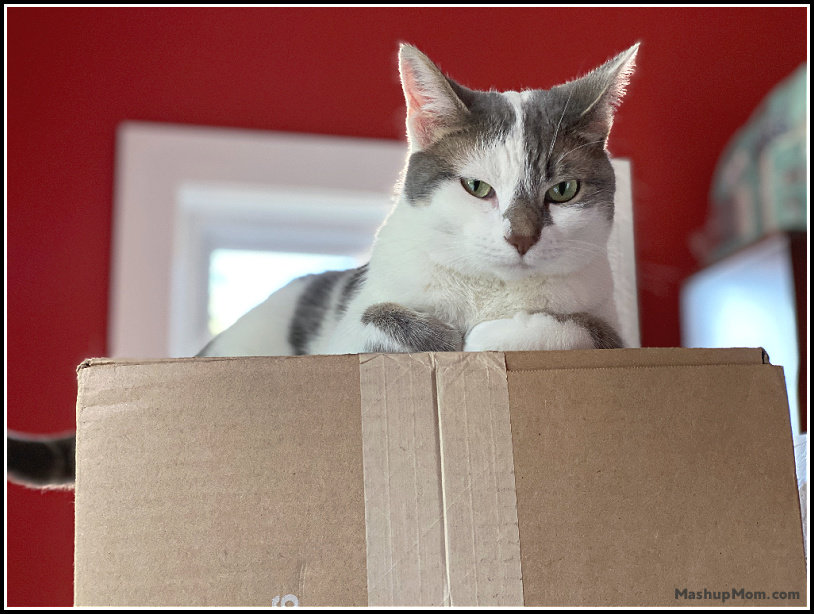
(74, 74)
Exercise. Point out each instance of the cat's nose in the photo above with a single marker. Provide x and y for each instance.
(522, 243)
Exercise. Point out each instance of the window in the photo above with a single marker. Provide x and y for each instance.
(240, 279)
(282, 232)
(190, 199)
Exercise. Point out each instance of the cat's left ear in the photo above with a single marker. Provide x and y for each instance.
(433, 104)
(600, 92)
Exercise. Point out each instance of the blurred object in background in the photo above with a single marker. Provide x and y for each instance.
(755, 297)
(800, 454)
(759, 184)
(752, 289)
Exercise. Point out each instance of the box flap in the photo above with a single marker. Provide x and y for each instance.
(649, 486)
(634, 357)
(220, 482)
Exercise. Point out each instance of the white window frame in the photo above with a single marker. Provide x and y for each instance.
(182, 191)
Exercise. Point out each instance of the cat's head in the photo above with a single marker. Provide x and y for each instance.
(516, 183)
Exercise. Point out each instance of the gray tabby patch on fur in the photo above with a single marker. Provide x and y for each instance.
(498, 240)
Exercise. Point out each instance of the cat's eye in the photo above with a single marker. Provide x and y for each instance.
(563, 191)
(477, 188)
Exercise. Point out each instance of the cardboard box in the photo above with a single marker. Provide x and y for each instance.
(637, 477)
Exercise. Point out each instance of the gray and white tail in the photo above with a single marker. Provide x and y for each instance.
(41, 462)
(287, 323)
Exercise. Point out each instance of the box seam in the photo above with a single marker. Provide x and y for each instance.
(638, 367)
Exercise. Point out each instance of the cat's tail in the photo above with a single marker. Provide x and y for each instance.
(41, 461)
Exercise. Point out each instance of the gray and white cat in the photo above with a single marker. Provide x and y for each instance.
(498, 240)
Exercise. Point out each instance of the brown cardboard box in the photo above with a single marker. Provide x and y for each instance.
(606, 477)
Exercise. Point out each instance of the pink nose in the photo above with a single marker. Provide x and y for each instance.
(522, 243)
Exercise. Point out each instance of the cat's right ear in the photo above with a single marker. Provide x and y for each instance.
(601, 91)
(433, 107)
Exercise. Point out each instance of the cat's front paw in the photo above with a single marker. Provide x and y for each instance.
(395, 328)
(488, 335)
(527, 332)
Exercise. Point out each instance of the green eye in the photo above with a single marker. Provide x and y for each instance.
(477, 188)
(563, 191)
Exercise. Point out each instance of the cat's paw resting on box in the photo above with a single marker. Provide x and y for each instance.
(542, 331)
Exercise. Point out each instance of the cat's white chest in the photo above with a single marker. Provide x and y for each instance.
(467, 300)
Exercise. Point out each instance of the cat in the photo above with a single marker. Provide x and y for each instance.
(497, 241)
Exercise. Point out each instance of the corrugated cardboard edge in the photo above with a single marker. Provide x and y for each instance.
(633, 357)
(553, 359)
(125, 362)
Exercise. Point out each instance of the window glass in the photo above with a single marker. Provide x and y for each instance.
(239, 279)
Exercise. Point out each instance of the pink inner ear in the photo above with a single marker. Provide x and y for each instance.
(411, 92)
(420, 120)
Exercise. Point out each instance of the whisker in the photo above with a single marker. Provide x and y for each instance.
(578, 147)
(557, 129)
